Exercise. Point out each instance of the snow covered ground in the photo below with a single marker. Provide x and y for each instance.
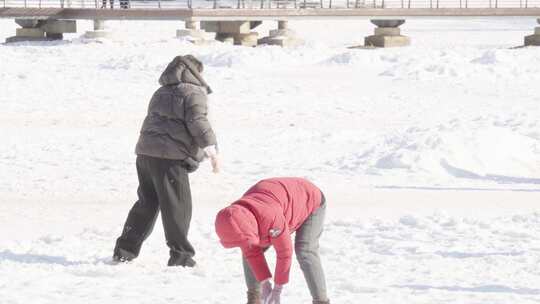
(429, 156)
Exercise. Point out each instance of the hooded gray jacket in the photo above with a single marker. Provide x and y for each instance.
(176, 126)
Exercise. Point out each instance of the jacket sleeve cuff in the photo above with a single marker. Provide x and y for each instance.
(211, 151)
(283, 267)
(259, 267)
(206, 139)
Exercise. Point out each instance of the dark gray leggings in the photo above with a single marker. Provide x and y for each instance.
(306, 245)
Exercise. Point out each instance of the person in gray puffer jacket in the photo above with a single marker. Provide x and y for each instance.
(175, 137)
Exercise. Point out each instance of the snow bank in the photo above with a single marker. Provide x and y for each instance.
(453, 116)
(460, 150)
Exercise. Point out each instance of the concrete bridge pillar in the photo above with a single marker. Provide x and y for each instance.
(192, 25)
(99, 25)
(193, 33)
(535, 38)
(283, 36)
(235, 32)
(42, 30)
(99, 31)
(387, 34)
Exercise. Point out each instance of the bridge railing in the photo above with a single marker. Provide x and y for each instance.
(435, 4)
(274, 4)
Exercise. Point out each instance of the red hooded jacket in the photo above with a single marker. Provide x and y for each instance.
(266, 216)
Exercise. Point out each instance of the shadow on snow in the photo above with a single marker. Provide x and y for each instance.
(482, 289)
(28, 258)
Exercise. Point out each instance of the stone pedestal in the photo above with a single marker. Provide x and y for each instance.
(533, 40)
(227, 27)
(59, 26)
(99, 31)
(249, 39)
(225, 38)
(283, 36)
(236, 32)
(42, 30)
(387, 34)
(193, 34)
(30, 32)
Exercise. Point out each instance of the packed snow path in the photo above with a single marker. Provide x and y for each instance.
(437, 258)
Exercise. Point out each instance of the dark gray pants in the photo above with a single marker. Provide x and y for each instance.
(306, 246)
(163, 186)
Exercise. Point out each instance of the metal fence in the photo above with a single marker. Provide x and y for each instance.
(266, 4)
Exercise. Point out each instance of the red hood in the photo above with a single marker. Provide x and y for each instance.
(236, 226)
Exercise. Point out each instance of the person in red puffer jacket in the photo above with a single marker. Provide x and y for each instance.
(265, 216)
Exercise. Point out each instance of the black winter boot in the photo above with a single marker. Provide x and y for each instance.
(181, 261)
(121, 255)
(253, 297)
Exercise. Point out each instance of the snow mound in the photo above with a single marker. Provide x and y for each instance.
(456, 149)
(454, 64)
(477, 153)
(350, 58)
(261, 57)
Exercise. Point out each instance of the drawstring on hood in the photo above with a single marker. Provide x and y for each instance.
(236, 226)
(183, 69)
